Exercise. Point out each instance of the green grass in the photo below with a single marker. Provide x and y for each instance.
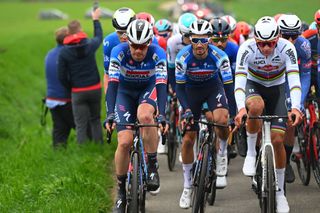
(33, 176)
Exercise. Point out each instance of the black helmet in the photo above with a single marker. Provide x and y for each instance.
(220, 27)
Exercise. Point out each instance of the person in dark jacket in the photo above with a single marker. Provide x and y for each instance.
(58, 98)
(78, 71)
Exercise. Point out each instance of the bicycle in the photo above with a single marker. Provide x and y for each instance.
(174, 136)
(265, 182)
(309, 143)
(204, 176)
(137, 172)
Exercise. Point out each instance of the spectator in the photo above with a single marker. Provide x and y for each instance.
(78, 71)
(58, 98)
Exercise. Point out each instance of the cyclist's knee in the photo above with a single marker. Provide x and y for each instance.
(124, 140)
(255, 106)
(221, 116)
(145, 117)
(277, 139)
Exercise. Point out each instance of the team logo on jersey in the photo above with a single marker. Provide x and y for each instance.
(120, 56)
(224, 65)
(127, 116)
(114, 65)
(194, 64)
(184, 56)
(179, 66)
(216, 54)
(307, 49)
(243, 57)
(155, 57)
(106, 43)
(259, 62)
(292, 56)
(276, 59)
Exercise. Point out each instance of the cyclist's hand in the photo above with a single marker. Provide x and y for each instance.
(164, 126)
(187, 118)
(298, 117)
(109, 123)
(238, 119)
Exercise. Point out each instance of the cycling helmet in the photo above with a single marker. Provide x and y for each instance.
(317, 17)
(146, 16)
(231, 21)
(266, 29)
(139, 32)
(163, 25)
(289, 24)
(184, 22)
(304, 26)
(200, 27)
(122, 18)
(243, 28)
(220, 27)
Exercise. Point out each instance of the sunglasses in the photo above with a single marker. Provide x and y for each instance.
(262, 44)
(121, 33)
(293, 37)
(217, 39)
(164, 35)
(200, 40)
(139, 46)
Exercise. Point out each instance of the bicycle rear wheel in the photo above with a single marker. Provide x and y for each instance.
(199, 194)
(314, 154)
(301, 159)
(134, 185)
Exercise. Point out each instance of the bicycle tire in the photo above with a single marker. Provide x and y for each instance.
(134, 189)
(212, 195)
(314, 154)
(172, 151)
(301, 159)
(241, 142)
(199, 193)
(270, 182)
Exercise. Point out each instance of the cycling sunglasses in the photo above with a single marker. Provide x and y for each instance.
(293, 37)
(139, 46)
(200, 40)
(262, 44)
(217, 39)
(121, 33)
(164, 35)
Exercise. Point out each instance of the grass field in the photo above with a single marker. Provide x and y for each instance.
(33, 177)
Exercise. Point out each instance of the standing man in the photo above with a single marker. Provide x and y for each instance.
(262, 64)
(58, 98)
(137, 89)
(198, 81)
(78, 71)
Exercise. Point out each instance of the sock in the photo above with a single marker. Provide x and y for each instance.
(251, 143)
(152, 161)
(121, 180)
(222, 149)
(187, 175)
(280, 176)
(288, 152)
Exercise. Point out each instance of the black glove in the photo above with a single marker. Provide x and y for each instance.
(188, 116)
(162, 120)
(110, 120)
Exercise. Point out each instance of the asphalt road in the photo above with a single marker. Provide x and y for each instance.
(236, 197)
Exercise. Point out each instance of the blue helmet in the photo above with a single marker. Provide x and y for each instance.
(163, 25)
(184, 22)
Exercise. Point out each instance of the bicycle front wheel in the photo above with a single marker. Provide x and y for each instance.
(134, 185)
(172, 149)
(199, 193)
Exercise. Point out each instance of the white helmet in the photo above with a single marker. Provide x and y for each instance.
(266, 29)
(140, 31)
(289, 24)
(200, 27)
(184, 22)
(231, 21)
(122, 18)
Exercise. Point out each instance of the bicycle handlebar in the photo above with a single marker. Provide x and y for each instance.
(211, 124)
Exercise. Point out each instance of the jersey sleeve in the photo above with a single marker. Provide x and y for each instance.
(304, 59)
(225, 70)
(106, 53)
(181, 78)
(170, 53)
(292, 69)
(241, 73)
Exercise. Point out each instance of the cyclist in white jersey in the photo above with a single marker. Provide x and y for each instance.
(262, 64)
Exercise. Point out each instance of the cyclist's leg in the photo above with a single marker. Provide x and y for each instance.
(255, 106)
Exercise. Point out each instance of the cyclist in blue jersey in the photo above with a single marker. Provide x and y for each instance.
(290, 28)
(197, 76)
(137, 88)
(120, 21)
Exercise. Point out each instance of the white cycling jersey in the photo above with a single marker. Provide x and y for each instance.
(174, 45)
(267, 71)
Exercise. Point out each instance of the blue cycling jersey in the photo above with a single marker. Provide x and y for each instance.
(193, 72)
(131, 75)
(232, 50)
(109, 42)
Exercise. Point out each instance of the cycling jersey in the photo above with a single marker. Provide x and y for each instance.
(143, 82)
(191, 72)
(109, 42)
(267, 71)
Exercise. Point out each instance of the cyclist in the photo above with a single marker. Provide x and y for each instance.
(137, 87)
(164, 32)
(260, 74)
(149, 18)
(233, 24)
(198, 81)
(290, 28)
(120, 21)
(242, 32)
(313, 35)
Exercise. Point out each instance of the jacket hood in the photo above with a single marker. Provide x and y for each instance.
(77, 44)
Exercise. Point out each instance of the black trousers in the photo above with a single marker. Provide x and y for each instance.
(63, 122)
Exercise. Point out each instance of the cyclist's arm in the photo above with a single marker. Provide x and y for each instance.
(292, 70)
(171, 64)
(305, 69)
(241, 73)
(181, 85)
(161, 84)
(172, 77)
